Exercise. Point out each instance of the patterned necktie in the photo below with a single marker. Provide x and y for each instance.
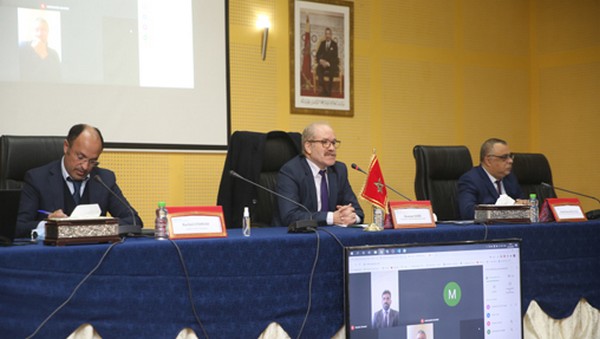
(324, 192)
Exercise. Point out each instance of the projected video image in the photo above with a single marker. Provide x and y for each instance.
(111, 42)
(39, 45)
(418, 303)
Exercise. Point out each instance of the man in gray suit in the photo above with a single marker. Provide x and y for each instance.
(386, 317)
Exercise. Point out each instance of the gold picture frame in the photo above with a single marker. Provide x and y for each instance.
(319, 83)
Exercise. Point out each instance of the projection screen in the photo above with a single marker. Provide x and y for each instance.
(151, 74)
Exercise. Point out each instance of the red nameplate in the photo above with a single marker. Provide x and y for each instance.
(565, 209)
(412, 214)
(189, 222)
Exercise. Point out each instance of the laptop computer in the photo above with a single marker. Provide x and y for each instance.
(9, 208)
(450, 290)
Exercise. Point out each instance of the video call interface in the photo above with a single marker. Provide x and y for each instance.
(451, 291)
(145, 43)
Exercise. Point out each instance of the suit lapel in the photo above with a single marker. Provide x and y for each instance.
(312, 191)
(488, 183)
(56, 184)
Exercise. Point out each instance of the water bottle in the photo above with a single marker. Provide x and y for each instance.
(160, 224)
(534, 208)
(378, 217)
(246, 222)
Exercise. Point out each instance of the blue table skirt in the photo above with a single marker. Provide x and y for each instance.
(240, 285)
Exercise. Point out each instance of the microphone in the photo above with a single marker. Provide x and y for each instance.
(568, 191)
(595, 214)
(123, 229)
(300, 226)
(355, 166)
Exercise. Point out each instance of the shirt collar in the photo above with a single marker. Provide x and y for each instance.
(491, 177)
(313, 167)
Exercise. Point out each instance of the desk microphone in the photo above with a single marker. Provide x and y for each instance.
(300, 226)
(355, 166)
(123, 229)
(595, 214)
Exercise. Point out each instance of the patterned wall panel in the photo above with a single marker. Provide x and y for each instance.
(570, 110)
(144, 178)
(418, 107)
(496, 26)
(496, 105)
(566, 25)
(421, 23)
(254, 88)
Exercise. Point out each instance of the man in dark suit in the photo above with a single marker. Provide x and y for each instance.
(316, 180)
(485, 183)
(328, 61)
(63, 184)
(386, 316)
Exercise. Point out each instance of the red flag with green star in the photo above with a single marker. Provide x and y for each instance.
(374, 189)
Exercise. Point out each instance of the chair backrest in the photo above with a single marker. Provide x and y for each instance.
(531, 169)
(18, 154)
(279, 149)
(257, 157)
(437, 174)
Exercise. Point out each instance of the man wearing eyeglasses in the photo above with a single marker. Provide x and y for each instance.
(53, 190)
(485, 183)
(316, 180)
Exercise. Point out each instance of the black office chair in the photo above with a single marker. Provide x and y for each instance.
(531, 169)
(257, 157)
(18, 154)
(437, 174)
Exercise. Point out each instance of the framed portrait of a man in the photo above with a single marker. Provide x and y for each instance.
(321, 73)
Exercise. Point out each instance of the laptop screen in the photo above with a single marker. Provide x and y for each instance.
(425, 291)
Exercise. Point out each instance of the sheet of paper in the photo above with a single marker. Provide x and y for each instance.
(86, 211)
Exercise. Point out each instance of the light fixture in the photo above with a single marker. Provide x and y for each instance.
(263, 23)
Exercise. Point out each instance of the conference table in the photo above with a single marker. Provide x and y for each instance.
(239, 285)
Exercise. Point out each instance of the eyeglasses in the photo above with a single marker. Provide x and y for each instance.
(81, 158)
(326, 143)
(503, 157)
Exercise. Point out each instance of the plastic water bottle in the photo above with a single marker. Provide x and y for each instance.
(378, 217)
(246, 222)
(534, 208)
(160, 224)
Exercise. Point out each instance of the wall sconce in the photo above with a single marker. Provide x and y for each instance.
(263, 23)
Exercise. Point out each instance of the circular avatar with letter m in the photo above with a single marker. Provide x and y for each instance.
(452, 294)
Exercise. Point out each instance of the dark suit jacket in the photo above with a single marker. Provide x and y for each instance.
(394, 318)
(475, 187)
(44, 187)
(331, 55)
(296, 182)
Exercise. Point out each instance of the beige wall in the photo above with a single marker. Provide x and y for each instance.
(432, 72)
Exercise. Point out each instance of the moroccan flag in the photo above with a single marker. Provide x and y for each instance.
(307, 76)
(374, 189)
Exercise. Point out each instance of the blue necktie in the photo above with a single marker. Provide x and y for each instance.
(324, 192)
(76, 193)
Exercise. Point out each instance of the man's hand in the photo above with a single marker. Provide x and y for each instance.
(344, 215)
(57, 214)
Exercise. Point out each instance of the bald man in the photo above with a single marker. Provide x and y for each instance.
(63, 184)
